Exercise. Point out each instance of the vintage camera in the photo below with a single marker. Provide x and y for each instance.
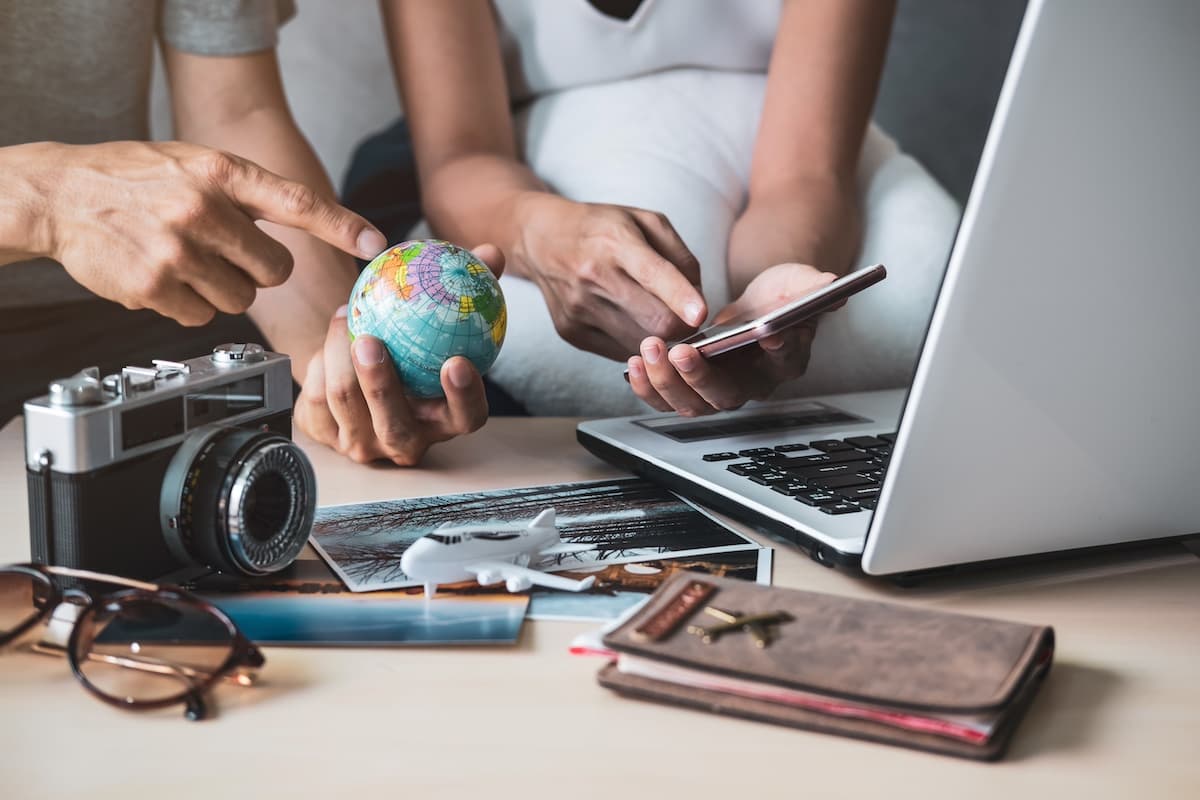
(177, 465)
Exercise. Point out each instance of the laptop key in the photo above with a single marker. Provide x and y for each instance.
(840, 482)
(869, 505)
(756, 451)
(790, 488)
(826, 470)
(890, 438)
(857, 493)
(841, 508)
(720, 456)
(830, 445)
(767, 478)
(748, 468)
(849, 454)
(817, 498)
(790, 448)
(865, 442)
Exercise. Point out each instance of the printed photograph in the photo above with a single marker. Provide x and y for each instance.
(308, 605)
(620, 521)
(619, 587)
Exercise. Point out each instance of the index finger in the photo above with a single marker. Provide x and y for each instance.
(665, 281)
(663, 237)
(264, 195)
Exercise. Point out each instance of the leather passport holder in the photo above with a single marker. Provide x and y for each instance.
(932, 680)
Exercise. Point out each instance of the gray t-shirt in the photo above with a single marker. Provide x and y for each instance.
(79, 72)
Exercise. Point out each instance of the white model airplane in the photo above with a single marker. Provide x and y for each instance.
(490, 555)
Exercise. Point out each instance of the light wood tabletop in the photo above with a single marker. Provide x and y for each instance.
(1119, 715)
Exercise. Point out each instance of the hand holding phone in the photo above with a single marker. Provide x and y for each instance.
(716, 368)
(758, 324)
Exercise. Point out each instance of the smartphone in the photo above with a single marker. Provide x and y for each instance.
(757, 324)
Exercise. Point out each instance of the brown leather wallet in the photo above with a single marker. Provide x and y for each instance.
(932, 680)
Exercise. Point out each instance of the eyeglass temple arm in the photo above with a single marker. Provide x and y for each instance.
(240, 675)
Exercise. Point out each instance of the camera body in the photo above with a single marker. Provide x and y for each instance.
(158, 468)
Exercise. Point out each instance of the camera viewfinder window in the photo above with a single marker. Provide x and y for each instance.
(151, 422)
(222, 402)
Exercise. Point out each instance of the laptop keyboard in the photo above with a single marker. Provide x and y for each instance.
(838, 476)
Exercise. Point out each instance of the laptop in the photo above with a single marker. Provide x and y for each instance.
(1056, 401)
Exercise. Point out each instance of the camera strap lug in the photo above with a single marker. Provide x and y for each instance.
(45, 461)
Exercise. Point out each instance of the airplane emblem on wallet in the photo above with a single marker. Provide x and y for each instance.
(760, 626)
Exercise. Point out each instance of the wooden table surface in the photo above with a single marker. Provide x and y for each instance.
(1119, 715)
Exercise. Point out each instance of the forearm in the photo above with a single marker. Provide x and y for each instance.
(472, 179)
(803, 205)
(24, 226)
(294, 316)
(821, 86)
(478, 197)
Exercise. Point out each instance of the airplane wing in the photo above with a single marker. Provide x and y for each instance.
(519, 578)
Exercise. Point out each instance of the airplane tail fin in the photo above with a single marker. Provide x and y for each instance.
(544, 519)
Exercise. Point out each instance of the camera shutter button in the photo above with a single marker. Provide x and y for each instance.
(82, 389)
(234, 353)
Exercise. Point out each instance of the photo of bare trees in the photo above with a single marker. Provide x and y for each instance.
(626, 520)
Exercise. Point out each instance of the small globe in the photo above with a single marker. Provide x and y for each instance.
(428, 301)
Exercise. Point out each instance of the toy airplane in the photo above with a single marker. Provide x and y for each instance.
(489, 555)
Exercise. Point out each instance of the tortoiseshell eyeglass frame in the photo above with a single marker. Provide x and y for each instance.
(240, 664)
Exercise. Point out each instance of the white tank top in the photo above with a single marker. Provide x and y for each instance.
(558, 44)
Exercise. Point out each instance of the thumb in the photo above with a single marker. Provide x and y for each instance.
(492, 256)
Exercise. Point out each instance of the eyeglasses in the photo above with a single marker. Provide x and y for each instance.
(139, 647)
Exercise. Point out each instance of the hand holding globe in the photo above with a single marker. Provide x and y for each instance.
(429, 301)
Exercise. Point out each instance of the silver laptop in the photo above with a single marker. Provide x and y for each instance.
(1056, 402)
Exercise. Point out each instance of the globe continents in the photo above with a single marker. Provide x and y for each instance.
(428, 301)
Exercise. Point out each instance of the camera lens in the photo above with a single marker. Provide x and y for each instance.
(237, 500)
(267, 507)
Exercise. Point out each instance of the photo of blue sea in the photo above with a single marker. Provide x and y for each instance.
(381, 618)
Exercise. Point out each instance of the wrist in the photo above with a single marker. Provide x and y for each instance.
(819, 225)
(526, 209)
(26, 220)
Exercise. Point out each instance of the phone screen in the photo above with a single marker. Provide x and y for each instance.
(756, 323)
(725, 328)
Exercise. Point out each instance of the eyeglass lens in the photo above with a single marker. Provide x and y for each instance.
(134, 647)
(22, 597)
(149, 648)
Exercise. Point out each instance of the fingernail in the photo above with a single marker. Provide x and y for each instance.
(634, 366)
(771, 343)
(341, 312)
(460, 374)
(694, 313)
(651, 352)
(686, 362)
(370, 243)
(368, 351)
